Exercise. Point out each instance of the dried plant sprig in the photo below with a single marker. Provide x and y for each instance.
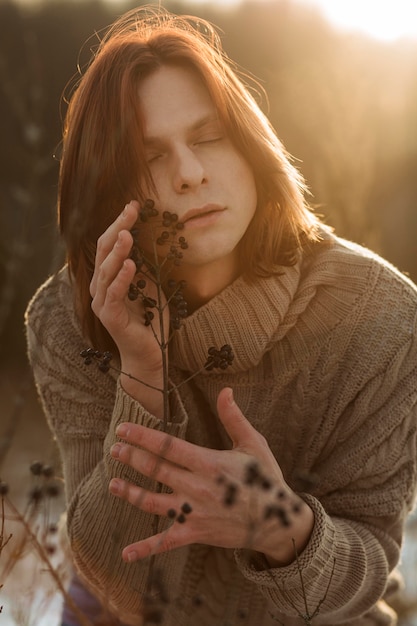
(103, 361)
(283, 507)
(4, 490)
(153, 268)
(308, 616)
(37, 530)
(156, 267)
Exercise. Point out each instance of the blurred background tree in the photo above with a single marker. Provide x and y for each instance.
(344, 105)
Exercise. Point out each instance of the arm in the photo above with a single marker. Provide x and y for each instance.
(113, 273)
(83, 407)
(193, 472)
(366, 487)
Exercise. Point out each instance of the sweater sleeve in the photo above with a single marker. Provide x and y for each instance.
(83, 407)
(366, 473)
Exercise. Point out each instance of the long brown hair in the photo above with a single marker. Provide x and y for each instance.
(103, 165)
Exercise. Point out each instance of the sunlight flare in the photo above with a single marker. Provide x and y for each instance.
(386, 20)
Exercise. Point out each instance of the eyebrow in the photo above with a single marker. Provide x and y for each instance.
(204, 121)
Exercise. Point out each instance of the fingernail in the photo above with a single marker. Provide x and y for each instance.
(115, 450)
(115, 485)
(122, 430)
(132, 556)
(231, 397)
(125, 210)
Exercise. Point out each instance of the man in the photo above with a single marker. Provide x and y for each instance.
(274, 490)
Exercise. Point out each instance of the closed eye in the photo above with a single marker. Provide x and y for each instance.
(153, 157)
(208, 132)
(208, 140)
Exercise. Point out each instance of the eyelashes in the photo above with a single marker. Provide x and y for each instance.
(210, 140)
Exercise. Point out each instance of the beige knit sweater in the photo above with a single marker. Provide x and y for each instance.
(326, 368)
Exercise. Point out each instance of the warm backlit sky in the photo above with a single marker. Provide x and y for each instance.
(383, 19)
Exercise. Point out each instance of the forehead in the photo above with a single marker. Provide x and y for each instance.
(173, 98)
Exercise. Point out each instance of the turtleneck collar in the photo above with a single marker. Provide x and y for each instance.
(304, 302)
(248, 316)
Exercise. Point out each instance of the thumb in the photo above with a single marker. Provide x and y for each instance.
(237, 426)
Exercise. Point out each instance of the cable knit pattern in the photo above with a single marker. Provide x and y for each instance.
(326, 368)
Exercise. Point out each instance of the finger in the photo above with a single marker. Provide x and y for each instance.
(239, 429)
(182, 453)
(148, 501)
(115, 274)
(106, 242)
(110, 305)
(125, 221)
(153, 466)
(244, 436)
(176, 536)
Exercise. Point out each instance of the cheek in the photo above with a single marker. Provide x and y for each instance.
(160, 185)
(158, 188)
(148, 234)
(247, 187)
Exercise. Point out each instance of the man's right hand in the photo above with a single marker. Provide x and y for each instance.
(138, 345)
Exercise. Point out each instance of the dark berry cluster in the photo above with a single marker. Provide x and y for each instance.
(101, 358)
(230, 494)
(254, 477)
(152, 270)
(281, 512)
(181, 517)
(148, 210)
(280, 507)
(149, 303)
(135, 289)
(278, 512)
(219, 359)
(176, 244)
(136, 255)
(231, 491)
(47, 488)
(38, 469)
(177, 303)
(175, 255)
(170, 220)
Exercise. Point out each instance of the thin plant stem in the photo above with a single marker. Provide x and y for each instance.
(301, 576)
(162, 343)
(84, 621)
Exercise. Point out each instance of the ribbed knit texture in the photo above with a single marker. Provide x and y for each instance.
(326, 368)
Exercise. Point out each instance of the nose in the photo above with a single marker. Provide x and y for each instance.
(189, 171)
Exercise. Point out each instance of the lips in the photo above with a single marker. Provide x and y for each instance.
(203, 211)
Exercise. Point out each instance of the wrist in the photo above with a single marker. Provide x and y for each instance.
(145, 387)
(285, 543)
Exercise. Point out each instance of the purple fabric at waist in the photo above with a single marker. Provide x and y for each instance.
(88, 604)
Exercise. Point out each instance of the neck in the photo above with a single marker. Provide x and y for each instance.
(205, 282)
